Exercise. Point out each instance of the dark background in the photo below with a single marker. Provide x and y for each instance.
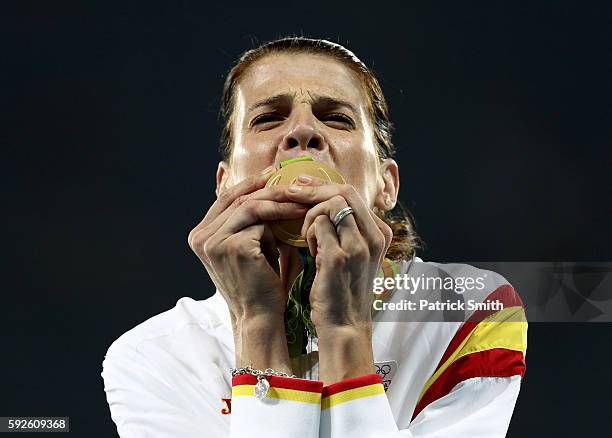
(503, 116)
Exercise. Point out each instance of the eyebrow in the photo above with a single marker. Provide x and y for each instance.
(333, 102)
(276, 100)
(318, 100)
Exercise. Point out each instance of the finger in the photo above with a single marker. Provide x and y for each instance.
(248, 185)
(317, 194)
(386, 231)
(347, 228)
(211, 224)
(253, 211)
(305, 179)
(322, 234)
(229, 195)
(274, 193)
(252, 243)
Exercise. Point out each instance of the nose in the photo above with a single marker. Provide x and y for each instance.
(302, 135)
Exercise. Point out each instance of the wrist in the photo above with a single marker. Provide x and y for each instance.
(258, 311)
(336, 320)
(257, 321)
(345, 352)
(260, 342)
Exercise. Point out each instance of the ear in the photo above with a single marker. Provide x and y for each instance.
(222, 177)
(386, 197)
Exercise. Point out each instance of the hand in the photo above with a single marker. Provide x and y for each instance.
(239, 252)
(347, 261)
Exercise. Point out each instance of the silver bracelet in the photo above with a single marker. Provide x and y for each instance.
(263, 386)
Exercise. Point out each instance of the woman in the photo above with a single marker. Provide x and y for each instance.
(358, 375)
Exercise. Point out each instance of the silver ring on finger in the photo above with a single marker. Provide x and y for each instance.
(341, 215)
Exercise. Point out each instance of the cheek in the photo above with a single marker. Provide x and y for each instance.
(366, 187)
(359, 169)
(248, 159)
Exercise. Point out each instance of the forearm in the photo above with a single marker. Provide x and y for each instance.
(345, 352)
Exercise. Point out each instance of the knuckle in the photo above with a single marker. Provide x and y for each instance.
(271, 208)
(338, 258)
(346, 190)
(339, 199)
(310, 233)
(308, 218)
(379, 243)
(226, 196)
(190, 238)
(320, 219)
(241, 200)
(195, 240)
(249, 205)
(210, 249)
(359, 251)
(387, 232)
(309, 192)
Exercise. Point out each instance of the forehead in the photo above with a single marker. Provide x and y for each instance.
(300, 74)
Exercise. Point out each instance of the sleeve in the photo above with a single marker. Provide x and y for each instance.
(292, 407)
(478, 407)
(472, 392)
(145, 404)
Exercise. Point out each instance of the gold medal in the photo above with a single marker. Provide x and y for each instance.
(288, 231)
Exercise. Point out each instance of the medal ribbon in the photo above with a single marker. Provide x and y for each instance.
(298, 324)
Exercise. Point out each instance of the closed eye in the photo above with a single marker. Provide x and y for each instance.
(338, 118)
(266, 118)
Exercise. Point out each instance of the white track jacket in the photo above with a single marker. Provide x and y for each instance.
(169, 376)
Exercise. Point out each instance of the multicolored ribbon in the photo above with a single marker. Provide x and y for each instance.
(298, 325)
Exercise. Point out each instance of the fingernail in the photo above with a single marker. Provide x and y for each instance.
(304, 179)
(294, 189)
(267, 170)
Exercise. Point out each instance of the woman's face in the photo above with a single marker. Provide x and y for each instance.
(288, 105)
